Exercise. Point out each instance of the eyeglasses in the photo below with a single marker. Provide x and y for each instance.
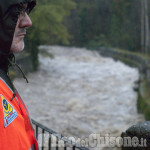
(23, 13)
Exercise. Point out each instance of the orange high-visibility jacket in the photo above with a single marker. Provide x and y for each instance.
(16, 132)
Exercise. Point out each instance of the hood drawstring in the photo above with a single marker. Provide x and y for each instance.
(12, 63)
(14, 95)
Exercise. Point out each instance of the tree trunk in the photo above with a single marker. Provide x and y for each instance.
(145, 33)
(142, 27)
(146, 28)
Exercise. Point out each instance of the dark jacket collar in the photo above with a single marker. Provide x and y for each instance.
(6, 78)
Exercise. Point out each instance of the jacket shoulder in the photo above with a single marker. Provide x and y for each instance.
(5, 78)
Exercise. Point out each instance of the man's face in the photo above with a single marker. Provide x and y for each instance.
(20, 31)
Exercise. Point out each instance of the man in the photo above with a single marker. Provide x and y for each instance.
(16, 132)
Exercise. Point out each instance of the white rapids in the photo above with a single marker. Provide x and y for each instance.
(79, 92)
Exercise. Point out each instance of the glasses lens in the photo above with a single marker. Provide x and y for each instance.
(24, 9)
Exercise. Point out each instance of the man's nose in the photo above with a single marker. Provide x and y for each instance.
(25, 21)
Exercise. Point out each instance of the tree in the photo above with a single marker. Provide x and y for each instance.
(47, 20)
(114, 23)
(48, 27)
(145, 39)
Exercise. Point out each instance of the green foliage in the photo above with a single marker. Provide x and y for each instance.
(123, 27)
(117, 20)
(45, 53)
(108, 23)
(47, 21)
(12, 74)
(144, 99)
(98, 41)
(48, 27)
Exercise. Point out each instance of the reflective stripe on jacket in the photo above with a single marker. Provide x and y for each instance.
(16, 132)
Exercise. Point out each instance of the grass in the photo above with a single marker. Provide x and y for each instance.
(143, 102)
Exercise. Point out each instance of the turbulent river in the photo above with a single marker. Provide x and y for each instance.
(78, 92)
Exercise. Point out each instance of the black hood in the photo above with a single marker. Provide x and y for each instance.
(9, 11)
